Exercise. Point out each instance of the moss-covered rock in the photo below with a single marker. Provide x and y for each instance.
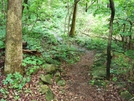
(99, 73)
(126, 95)
(43, 89)
(46, 78)
(61, 83)
(50, 68)
(49, 95)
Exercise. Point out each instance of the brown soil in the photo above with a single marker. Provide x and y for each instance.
(77, 76)
(77, 86)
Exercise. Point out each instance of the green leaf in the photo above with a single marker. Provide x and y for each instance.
(115, 79)
(2, 44)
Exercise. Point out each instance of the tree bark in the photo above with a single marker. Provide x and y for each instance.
(130, 36)
(72, 31)
(109, 57)
(13, 53)
(86, 7)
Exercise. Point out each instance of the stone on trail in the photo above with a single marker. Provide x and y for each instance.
(43, 89)
(50, 68)
(46, 79)
(49, 95)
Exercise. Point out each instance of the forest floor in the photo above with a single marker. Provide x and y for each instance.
(77, 86)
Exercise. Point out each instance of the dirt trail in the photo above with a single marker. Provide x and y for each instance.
(78, 83)
(78, 87)
(77, 78)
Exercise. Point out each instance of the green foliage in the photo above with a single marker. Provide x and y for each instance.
(2, 44)
(16, 81)
(2, 17)
(44, 22)
(32, 70)
(121, 64)
(3, 99)
(49, 39)
(33, 63)
(32, 60)
(4, 92)
(121, 67)
(66, 53)
(98, 44)
(114, 79)
(117, 47)
(2, 32)
(130, 53)
(13, 81)
(98, 83)
(33, 40)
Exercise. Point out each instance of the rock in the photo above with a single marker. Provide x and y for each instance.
(120, 85)
(46, 79)
(49, 95)
(50, 68)
(57, 79)
(61, 83)
(126, 95)
(43, 89)
(57, 76)
(99, 73)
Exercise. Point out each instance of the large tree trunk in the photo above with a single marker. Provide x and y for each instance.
(13, 55)
(72, 31)
(109, 57)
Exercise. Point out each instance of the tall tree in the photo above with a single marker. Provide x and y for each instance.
(109, 57)
(72, 31)
(13, 53)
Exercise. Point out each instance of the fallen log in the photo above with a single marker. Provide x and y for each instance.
(31, 52)
(25, 51)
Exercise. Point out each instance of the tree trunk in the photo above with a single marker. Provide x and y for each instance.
(109, 57)
(72, 31)
(130, 36)
(13, 53)
(86, 7)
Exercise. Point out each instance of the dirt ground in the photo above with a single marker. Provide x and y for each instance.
(77, 86)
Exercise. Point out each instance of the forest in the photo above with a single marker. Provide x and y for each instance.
(67, 50)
